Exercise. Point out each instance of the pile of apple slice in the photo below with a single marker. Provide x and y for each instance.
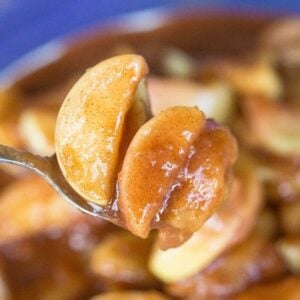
(169, 172)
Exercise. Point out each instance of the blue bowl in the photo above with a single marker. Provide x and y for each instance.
(28, 24)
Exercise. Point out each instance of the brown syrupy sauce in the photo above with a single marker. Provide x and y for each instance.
(53, 264)
(195, 192)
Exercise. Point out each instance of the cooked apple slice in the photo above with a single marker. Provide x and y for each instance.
(279, 43)
(289, 248)
(233, 271)
(204, 184)
(285, 288)
(131, 295)
(272, 126)
(255, 79)
(154, 158)
(121, 259)
(215, 99)
(37, 130)
(90, 125)
(177, 63)
(135, 118)
(230, 224)
(29, 205)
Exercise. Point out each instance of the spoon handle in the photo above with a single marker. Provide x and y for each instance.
(36, 163)
(47, 168)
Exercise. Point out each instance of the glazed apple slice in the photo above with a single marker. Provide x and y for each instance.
(230, 224)
(273, 127)
(122, 259)
(214, 99)
(131, 295)
(203, 186)
(137, 115)
(90, 125)
(155, 156)
(36, 127)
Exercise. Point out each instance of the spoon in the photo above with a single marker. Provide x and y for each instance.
(48, 169)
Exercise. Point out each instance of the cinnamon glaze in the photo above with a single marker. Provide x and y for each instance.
(168, 173)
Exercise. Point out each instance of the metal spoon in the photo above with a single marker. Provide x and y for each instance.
(48, 169)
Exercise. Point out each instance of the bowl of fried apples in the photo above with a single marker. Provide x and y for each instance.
(186, 129)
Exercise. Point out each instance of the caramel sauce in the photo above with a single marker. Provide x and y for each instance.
(168, 173)
(190, 196)
(53, 264)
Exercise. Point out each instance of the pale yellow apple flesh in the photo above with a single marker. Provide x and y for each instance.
(215, 99)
